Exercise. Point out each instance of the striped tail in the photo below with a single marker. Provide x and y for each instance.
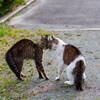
(11, 64)
(79, 75)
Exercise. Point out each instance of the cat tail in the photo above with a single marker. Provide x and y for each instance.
(79, 70)
(12, 65)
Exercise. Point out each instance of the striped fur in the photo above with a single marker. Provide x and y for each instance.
(27, 49)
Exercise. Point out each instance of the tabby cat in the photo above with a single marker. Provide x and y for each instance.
(69, 55)
(27, 49)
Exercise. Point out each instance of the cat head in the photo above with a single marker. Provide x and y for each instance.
(44, 42)
(52, 42)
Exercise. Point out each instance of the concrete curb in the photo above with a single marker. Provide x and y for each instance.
(5, 18)
(75, 29)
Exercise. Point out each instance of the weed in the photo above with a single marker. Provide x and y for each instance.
(35, 92)
(37, 81)
(60, 37)
(90, 52)
(32, 34)
(98, 98)
(67, 91)
(95, 56)
(32, 73)
(81, 99)
(43, 32)
(79, 35)
(68, 34)
(1, 98)
(41, 86)
(49, 62)
(30, 64)
(72, 95)
(36, 39)
(71, 38)
(88, 87)
(47, 98)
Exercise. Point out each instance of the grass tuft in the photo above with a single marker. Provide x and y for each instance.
(43, 32)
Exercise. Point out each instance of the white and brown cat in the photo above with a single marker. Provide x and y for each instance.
(69, 56)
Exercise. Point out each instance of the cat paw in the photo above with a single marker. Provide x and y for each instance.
(69, 83)
(40, 77)
(57, 78)
(84, 77)
(22, 75)
(22, 79)
(47, 78)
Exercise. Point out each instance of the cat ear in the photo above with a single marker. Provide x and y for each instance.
(46, 36)
(42, 37)
(52, 36)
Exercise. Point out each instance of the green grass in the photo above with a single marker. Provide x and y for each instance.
(60, 37)
(36, 39)
(89, 52)
(95, 56)
(10, 31)
(79, 35)
(88, 87)
(68, 34)
(43, 32)
(1, 98)
(10, 87)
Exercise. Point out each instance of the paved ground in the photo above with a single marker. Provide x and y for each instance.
(50, 14)
(39, 89)
(88, 42)
(57, 14)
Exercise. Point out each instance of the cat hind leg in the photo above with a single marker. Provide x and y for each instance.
(69, 76)
(19, 64)
(84, 76)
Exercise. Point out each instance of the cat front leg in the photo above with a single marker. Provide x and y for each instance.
(41, 70)
(38, 70)
(60, 70)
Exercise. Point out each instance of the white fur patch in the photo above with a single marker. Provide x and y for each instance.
(59, 53)
(50, 38)
(70, 68)
(73, 64)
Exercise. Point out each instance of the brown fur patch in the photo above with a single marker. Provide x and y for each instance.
(70, 53)
(76, 68)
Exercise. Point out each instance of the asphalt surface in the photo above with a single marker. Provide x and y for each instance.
(88, 42)
(62, 14)
(59, 14)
